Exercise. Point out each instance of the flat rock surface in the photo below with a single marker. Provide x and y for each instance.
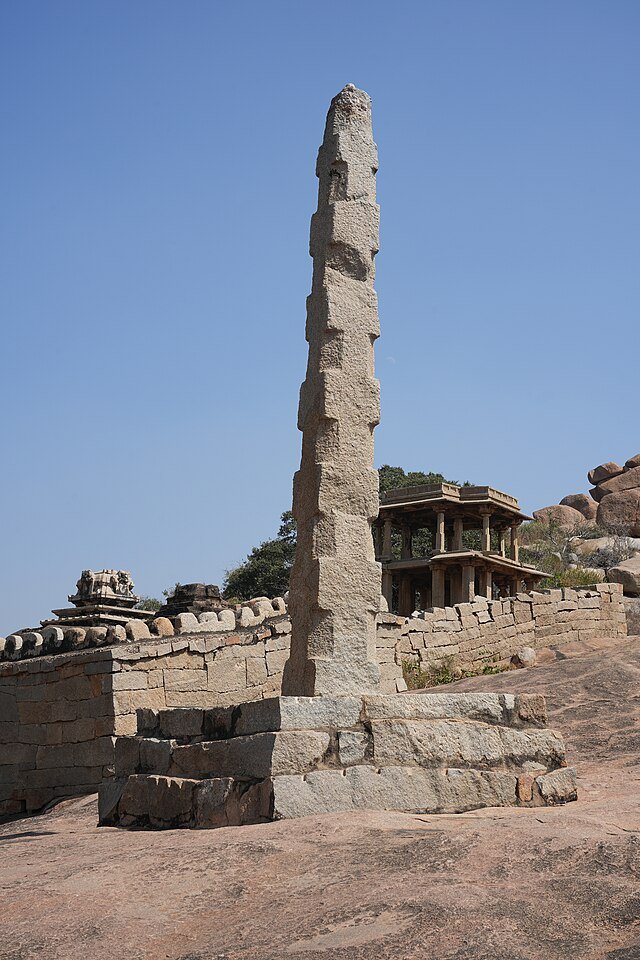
(496, 884)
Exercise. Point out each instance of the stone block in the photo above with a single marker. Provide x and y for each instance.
(79, 731)
(137, 630)
(163, 800)
(297, 713)
(196, 698)
(276, 661)
(559, 786)
(126, 680)
(253, 757)
(53, 639)
(218, 723)
(126, 756)
(541, 746)
(161, 627)
(353, 746)
(185, 680)
(201, 645)
(226, 676)
(228, 619)
(179, 723)
(96, 636)
(256, 671)
(116, 634)
(246, 617)
(155, 755)
(411, 789)
(108, 798)
(436, 743)
(185, 623)
(485, 707)
(212, 800)
(13, 646)
(123, 726)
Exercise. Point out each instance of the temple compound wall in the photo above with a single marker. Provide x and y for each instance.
(60, 713)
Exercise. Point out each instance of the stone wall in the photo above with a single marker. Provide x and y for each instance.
(471, 636)
(59, 714)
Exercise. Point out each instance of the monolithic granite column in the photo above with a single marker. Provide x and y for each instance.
(335, 582)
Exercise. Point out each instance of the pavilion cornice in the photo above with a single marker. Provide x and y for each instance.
(453, 500)
(465, 556)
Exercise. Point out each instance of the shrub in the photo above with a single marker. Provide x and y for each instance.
(613, 554)
(149, 603)
(571, 577)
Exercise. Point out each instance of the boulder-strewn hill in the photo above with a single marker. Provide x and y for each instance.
(613, 504)
(613, 501)
(505, 884)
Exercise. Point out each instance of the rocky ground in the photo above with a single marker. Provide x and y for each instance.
(501, 884)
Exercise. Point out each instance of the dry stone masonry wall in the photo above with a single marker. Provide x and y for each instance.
(59, 714)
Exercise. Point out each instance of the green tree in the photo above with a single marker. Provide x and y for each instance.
(266, 571)
(392, 477)
(148, 603)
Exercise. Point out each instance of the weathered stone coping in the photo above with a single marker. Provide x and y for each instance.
(35, 646)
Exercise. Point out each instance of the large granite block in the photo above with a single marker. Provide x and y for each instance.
(253, 757)
(297, 713)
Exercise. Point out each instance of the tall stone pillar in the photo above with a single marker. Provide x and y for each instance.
(386, 540)
(503, 543)
(486, 533)
(458, 528)
(468, 582)
(437, 586)
(406, 596)
(440, 545)
(515, 547)
(335, 582)
(407, 543)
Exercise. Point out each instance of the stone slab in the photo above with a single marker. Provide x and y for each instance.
(488, 707)
(252, 757)
(450, 743)
(297, 713)
(410, 789)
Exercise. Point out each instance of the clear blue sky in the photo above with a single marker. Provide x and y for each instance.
(158, 178)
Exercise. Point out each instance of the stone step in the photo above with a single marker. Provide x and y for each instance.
(334, 713)
(169, 802)
(245, 758)
(396, 742)
(162, 801)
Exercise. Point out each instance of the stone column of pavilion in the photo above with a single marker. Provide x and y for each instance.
(335, 582)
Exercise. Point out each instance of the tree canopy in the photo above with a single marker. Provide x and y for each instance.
(266, 571)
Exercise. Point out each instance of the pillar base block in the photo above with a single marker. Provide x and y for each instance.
(288, 757)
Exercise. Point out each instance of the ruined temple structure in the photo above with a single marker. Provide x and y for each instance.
(102, 599)
(193, 598)
(452, 572)
(333, 741)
